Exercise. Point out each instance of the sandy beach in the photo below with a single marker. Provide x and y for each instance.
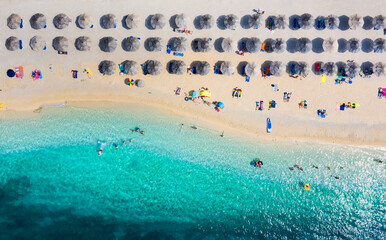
(364, 125)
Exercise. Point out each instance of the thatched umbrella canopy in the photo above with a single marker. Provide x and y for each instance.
(202, 45)
(107, 67)
(379, 69)
(179, 44)
(130, 44)
(12, 43)
(227, 45)
(303, 45)
(140, 83)
(181, 20)
(253, 45)
(251, 69)
(60, 43)
(304, 69)
(84, 21)
(379, 45)
(108, 21)
(329, 68)
(130, 67)
(280, 22)
(227, 68)
(230, 21)
(206, 21)
(203, 68)
(306, 21)
(355, 21)
(276, 68)
(332, 22)
(379, 22)
(38, 21)
(352, 69)
(278, 45)
(178, 67)
(353, 45)
(153, 67)
(154, 44)
(37, 43)
(254, 21)
(14, 21)
(132, 21)
(61, 21)
(83, 43)
(330, 45)
(108, 44)
(158, 21)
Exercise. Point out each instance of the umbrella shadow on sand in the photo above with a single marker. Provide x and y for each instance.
(217, 44)
(172, 22)
(291, 45)
(240, 68)
(317, 45)
(220, 22)
(148, 22)
(367, 23)
(343, 23)
(244, 22)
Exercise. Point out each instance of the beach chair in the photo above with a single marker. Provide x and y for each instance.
(122, 68)
(217, 70)
(21, 23)
(74, 73)
(144, 69)
(178, 54)
(169, 49)
(20, 44)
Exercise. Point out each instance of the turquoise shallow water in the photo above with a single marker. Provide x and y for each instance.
(178, 183)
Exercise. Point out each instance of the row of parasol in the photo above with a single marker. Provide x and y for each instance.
(230, 21)
(251, 45)
(268, 68)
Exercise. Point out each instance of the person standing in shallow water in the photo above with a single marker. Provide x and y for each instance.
(222, 134)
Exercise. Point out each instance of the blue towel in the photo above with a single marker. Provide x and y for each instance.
(247, 79)
(21, 23)
(178, 54)
(91, 26)
(20, 44)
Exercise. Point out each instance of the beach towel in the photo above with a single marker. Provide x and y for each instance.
(341, 107)
(178, 54)
(19, 72)
(169, 49)
(384, 92)
(74, 73)
(88, 72)
(323, 78)
(247, 79)
(20, 44)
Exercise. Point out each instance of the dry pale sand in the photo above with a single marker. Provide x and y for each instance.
(364, 125)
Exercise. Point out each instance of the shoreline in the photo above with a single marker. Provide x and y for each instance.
(206, 117)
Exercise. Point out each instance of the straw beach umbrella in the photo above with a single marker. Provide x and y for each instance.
(227, 68)
(12, 43)
(379, 69)
(353, 45)
(379, 45)
(355, 21)
(276, 68)
(306, 21)
(154, 44)
(132, 21)
(140, 83)
(38, 21)
(254, 21)
(280, 22)
(379, 22)
(253, 45)
(251, 69)
(329, 68)
(330, 45)
(203, 68)
(14, 21)
(109, 21)
(206, 21)
(130, 67)
(227, 45)
(181, 20)
(84, 21)
(230, 21)
(352, 69)
(178, 67)
(179, 44)
(108, 44)
(158, 21)
(202, 45)
(83, 43)
(61, 21)
(130, 44)
(37, 43)
(304, 69)
(332, 22)
(107, 67)
(153, 67)
(60, 43)
(278, 45)
(303, 45)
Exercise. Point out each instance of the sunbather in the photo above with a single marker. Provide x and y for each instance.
(380, 92)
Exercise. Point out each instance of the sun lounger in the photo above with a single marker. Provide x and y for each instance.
(144, 69)
(19, 72)
(217, 70)
(169, 49)
(20, 44)
(21, 23)
(247, 78)
(74, 73)
(178, 54)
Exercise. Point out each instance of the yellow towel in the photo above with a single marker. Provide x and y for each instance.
(323, 78)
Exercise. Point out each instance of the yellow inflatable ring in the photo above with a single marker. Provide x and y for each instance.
(306, 186)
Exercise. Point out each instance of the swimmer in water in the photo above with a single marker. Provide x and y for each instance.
(337, 177)
(143, 132)
(123, 142)
(329, 168)
(133, 130)
(316, 167)
(138, 130)
(99, 152)
(291, 168)
(131, 140)
(116, 146)
(259, 164)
